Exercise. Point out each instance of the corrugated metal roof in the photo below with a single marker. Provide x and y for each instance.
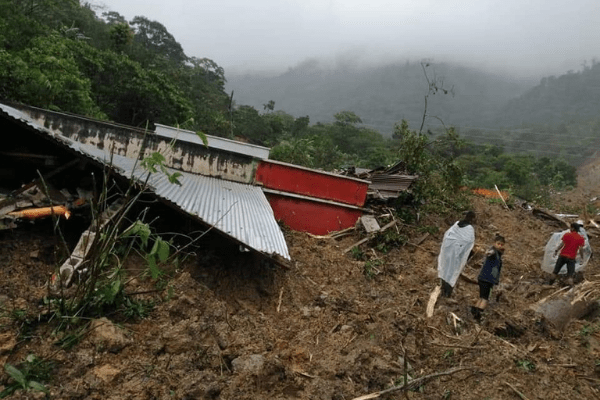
(388, 185)
(238, 210)
(213, 141)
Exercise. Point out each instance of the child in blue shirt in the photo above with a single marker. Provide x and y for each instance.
(489, 275)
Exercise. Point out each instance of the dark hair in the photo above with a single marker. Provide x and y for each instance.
(575, 226)
(499, 238)
(467, 220)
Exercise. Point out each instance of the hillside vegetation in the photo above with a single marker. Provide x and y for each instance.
(62, 55)
(562, 100)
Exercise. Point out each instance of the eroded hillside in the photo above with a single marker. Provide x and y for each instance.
(330, 327)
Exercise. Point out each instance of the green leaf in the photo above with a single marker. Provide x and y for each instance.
(151, 163)
(163, 250)
(154, 271)
(38, 386)
(154, 248)
(174, 178)
(202, 137)
(158, 158)
(112, 291)
(116, 287)
(138, 228)
(16, 375)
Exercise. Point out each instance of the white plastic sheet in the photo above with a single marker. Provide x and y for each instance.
(456, 246)
(549, 260)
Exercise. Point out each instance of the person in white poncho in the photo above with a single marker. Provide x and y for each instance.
(457, 244)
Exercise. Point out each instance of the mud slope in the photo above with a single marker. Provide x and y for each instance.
(331, 327)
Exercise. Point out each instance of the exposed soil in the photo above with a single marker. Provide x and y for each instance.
(330, 327)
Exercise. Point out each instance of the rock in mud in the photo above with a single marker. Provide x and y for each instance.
(252, 364)
(107, 336)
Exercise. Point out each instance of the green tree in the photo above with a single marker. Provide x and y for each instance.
(299, 151)
(47, 75)
(434, 161)
(300, 125)
(130, 94)
(58, 54)
(155, 45)
(114, 18)
(345, 118)
(121, 36)
(202, 81)
(18, 24)
(270, 106)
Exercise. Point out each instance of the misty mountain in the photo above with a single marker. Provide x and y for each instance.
(574, 96)
(383, 95)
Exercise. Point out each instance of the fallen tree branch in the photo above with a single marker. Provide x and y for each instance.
(350, 341)
(479, 329)
(422, 248)
(358, 243)
(371, 236)
(458, 346)
(412, 384)
(588, 378)
(445, 334)
(521, 395)
(304, 374)
(333, 235)
(280, 298)
(468, 279)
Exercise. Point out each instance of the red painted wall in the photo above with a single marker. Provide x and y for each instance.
(309, 182)
(311, 216)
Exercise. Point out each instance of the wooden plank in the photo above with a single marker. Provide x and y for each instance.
(432, 300)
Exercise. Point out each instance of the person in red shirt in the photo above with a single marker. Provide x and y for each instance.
(572, 243)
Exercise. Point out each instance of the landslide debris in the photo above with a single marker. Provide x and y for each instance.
(331, 327)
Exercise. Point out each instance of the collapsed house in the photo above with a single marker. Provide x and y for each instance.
(216, 180)
(228, 186)
(385, 183)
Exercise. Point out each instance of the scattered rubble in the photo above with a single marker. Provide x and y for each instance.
(326, 328)
(386, 183)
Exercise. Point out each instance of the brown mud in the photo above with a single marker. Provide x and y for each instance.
(330, 327)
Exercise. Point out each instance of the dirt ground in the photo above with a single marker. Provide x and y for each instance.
(330, 327)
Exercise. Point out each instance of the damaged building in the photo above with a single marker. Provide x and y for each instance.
(54, 164)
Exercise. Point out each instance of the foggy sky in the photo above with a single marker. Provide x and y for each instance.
(524, 37)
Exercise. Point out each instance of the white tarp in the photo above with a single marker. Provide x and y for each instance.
(456, 246)
(549, 260)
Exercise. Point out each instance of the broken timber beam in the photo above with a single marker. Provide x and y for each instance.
(371, 236)
(412, 384)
